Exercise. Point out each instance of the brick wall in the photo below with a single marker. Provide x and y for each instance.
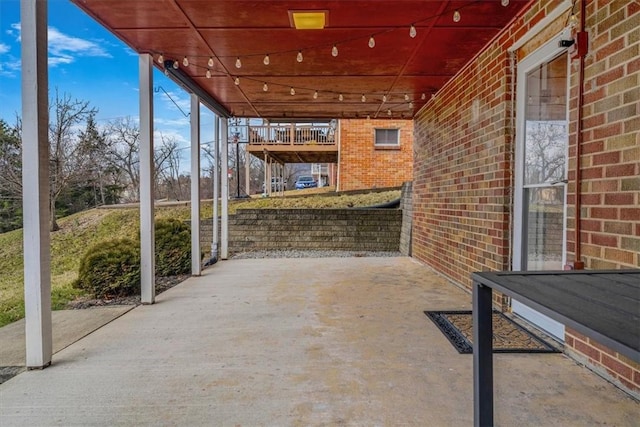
(463, 160)
(362, 165)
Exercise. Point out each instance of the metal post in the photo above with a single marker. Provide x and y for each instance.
(216, 185)
(237, 141)
(224, 223)
(147, 232)
(247, 171)
(482, 356)
(195, 185)
(35, 184)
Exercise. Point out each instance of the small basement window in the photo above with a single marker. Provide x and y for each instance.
(387, 138)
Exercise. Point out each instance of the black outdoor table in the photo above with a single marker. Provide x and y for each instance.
(603, 305)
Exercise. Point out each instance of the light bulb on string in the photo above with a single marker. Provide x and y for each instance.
(185, 62)
(266, 60)
(456, 16)
(334, 51)
(176, 65)
(573, 21)
(364, 98)
(208, 73)
(389, 112)
(237, 81)
(161, 59)
(292, 91)
(411, 105)
(315, 95)
(299, 57)
(406, 97)
(423, 96)
(265, 87)
(505, 3)
(384, 98)
(340, 97)
(372, 42)
(412, 31)
(210, 61)
(238, 62)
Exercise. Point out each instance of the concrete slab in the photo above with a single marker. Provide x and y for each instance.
(299, 342)
(68, 327)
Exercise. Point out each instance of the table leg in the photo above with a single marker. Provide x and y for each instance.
(482, 356)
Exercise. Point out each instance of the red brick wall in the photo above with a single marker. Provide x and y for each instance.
(362, 165)
(463, 148)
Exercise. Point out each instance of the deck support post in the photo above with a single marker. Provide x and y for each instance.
(147, 231)
(35, 184)
(195, 185)
(224, 223)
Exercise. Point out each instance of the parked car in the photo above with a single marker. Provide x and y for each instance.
(305, 181)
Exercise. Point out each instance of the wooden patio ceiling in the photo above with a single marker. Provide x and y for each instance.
(225, 43)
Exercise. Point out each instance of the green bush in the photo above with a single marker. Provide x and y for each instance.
(111, 269)
(173, 247)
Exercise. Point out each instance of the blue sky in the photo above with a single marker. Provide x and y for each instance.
(90, 64)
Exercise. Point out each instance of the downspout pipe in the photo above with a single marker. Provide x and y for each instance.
(582, 44)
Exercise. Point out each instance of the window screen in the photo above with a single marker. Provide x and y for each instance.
(387, 137)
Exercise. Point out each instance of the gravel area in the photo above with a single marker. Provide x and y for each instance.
(312, 254)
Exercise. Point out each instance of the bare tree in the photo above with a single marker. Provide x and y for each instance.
(123, 143)
(68, 156)
(10, 159)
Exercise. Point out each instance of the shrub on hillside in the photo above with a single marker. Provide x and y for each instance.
(110, 269)
(173, 247)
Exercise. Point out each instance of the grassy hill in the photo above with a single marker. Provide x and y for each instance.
(82, 230)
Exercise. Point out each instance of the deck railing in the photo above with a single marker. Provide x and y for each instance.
(291, 135)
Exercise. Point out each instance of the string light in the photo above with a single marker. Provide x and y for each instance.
(292, 91)
(315, 95)
(456, 16)
(210, 61)
(237, 81)
(208, 73)
(406, 97)
(389, 112)
(334, 51)
(185, 62)
(372, 42)
(384, 98)
(266, 60)
(299, 57)
(238, 62)
(176, 65)
(411, 105)
(423, 96)
(161, 59)
(412, 32)
(364, 98)
(505, 3)
(573, 21)
(340, 97)
(265, 87)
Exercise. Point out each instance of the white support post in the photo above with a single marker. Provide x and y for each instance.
(247, 170)
(195, 185)
(216, 186)
(224, 174)
(266, 168)
(147, 231)
(35, 184)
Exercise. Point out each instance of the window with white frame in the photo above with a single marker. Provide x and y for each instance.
(387, 137)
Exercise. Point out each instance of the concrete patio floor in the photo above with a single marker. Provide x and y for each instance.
(299, 342)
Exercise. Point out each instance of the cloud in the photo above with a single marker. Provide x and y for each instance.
(4, 48)
(65, 49)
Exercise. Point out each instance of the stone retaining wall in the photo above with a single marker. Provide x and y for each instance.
(315, 229)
